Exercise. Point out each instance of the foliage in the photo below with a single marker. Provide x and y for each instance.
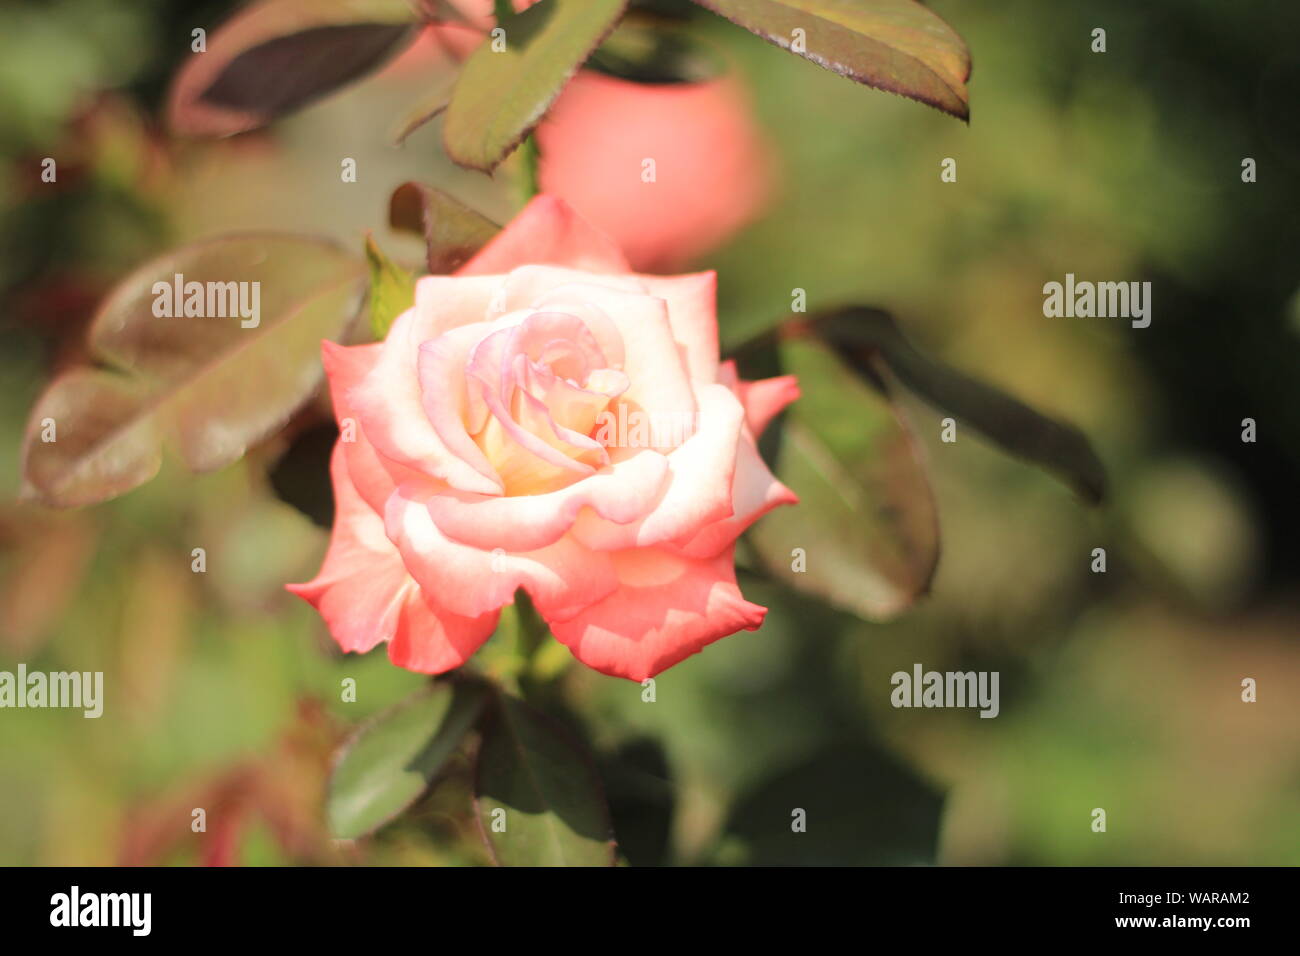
(280, 55)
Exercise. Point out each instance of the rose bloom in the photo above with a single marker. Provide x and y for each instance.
(490, 443)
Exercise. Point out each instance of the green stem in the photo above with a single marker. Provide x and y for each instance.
(508, 656)
(532, 629)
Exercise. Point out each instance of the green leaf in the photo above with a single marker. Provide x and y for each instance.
(436, 75)
(430, 105)
(277, 56)
(866, 518)
(390, 762)
(452, 231)
(392, 289)
(210, 385)
(501, 96)
(537, 796)
(859, 335)
(642, 800)
(894, 45)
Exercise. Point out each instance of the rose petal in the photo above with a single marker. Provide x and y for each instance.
(656, 372)
(529, 287)
(528, 450)
(372, 476)
(573, 407)
(665, 609)
(622, 492)
(692, 312)
(389, 404)
(699, 488)
(562, 578)
(765, 398)
(547, 232)
(445, 396)
(366, 596)
(431, 641)
(525, 286)
(755, 492)
(444, 303)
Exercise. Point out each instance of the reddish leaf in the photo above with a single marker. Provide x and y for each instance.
(279, 55)
(211, 385)
(894, 45)
(452, 231)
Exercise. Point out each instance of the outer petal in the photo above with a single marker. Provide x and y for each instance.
(693, 314)
(765, 398)
(345, 367)
(665, 609)
(755, 492)
(547, 232)
(433, 641)
(562, 578)
(366, 596)
(526, 286)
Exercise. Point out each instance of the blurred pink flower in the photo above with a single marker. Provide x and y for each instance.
(711, 169)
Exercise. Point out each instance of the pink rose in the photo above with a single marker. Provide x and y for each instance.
(545, 419)
(712, 168)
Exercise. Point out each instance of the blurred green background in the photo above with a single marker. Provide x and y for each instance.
(1119, 691)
